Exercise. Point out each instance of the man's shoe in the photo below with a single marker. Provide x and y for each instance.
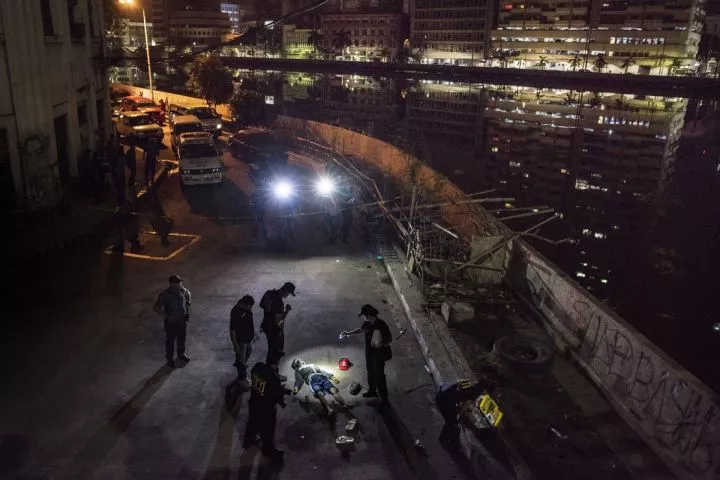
(244, 384)
(370, 394)
(273, 453)
(282, 378)
(171, 363)
(184, 358)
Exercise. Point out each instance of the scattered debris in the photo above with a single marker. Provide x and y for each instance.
(402, 332)
(560, 435)
(354, 388)
(344, 440)
(418, 387)
(419, 444)
(351, 424)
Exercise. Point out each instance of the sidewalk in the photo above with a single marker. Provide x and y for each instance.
(556, 425)
(71, 226)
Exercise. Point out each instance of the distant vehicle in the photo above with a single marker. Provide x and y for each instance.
(139, 126)
(175, 111)
(183, 124)
(145, 105)
(200, 162)
(255, 145)
(209, 117)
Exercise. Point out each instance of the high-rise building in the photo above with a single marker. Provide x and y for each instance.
(234, 13)
(454, 32)
(159, 17)
(648, 37)
(53, 97)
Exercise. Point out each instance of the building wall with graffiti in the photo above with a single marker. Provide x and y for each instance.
(677, 415)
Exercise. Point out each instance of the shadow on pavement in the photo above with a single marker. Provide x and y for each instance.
(219, 466)
(92, 455)
(13, 449)
(223, 204)
(405, 443)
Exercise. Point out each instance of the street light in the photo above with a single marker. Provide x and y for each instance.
(147, 45)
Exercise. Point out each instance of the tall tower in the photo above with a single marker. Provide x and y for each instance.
(159, 17)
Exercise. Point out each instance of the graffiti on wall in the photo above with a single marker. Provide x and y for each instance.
(677, 412)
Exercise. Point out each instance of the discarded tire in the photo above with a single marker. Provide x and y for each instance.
(524, 352)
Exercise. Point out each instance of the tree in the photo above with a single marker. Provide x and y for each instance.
(627, 63)
(542, 64)
(210, 79)
(600, 62)
(248, 107)
(316, 40)
(575, 62)
(502, 56)
(341, 41)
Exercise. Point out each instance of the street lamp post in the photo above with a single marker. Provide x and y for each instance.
(147, 46)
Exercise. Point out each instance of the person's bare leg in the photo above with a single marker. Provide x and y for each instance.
(321, 397)
(339, 399)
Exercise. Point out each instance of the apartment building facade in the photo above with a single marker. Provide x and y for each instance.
(646, 37)
(363, 36)
(453, 32)
(53, 96)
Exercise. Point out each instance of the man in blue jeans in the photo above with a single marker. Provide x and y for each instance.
(319, 381)
(242, 333)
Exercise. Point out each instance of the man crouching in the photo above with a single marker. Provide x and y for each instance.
(319, 381)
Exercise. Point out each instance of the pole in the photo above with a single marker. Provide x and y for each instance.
(147, 51)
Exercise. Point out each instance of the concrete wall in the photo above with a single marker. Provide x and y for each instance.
(674, 412)
(173, 98)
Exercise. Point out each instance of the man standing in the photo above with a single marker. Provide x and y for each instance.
(173, 304)
(452, 397)
(377, 350)
(267, 392)
(150, 162)
(274, 313)
(131, 163)
(242, 332)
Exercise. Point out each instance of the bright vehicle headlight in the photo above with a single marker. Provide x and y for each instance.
(282, 189)
(218, 126)
(325, 186)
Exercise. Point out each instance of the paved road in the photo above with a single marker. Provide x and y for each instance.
(86, 394)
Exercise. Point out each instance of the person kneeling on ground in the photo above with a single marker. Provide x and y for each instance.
(319, 381)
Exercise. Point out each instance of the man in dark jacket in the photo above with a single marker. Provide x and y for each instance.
(377, 350)
(452, 397)
(267, 392)
(273, 324)
(242, 332)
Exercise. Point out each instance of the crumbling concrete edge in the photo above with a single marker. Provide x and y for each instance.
(446, 363)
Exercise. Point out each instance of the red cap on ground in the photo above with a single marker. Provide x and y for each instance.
(344, 364)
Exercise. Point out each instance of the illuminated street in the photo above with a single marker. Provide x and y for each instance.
(94, 399)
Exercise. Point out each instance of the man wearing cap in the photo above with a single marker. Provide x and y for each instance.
(377, 350)
(274, 313)
(242, 332)
(173, 304)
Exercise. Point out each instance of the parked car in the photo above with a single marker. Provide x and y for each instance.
(209, 117)
(175, 111)
(145, 105)
(183, 124)
(200, 162)
(255, 145)
(139, 126)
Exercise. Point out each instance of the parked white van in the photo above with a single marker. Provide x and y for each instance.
(200, 162)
